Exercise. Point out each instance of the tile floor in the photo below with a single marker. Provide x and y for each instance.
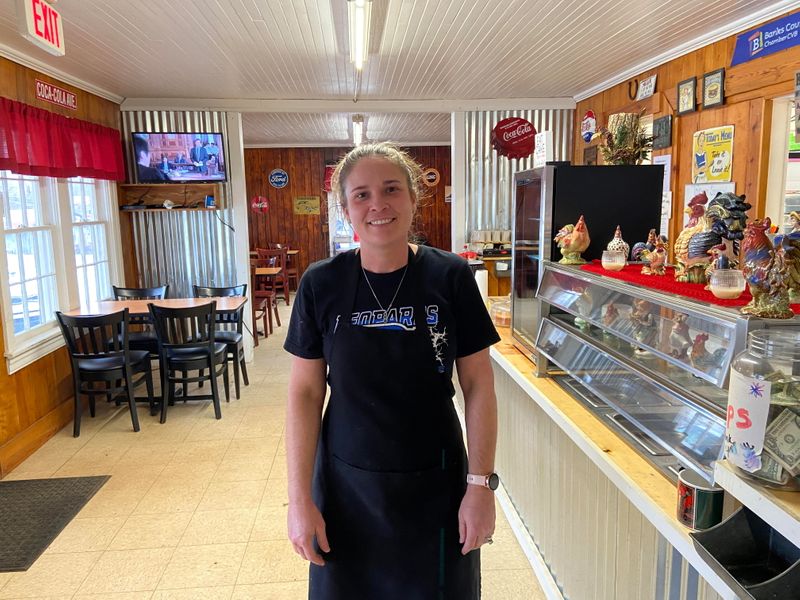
(196, 508)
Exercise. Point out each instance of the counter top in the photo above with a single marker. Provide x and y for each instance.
(781, 510)
(650, 491)
(495, 258)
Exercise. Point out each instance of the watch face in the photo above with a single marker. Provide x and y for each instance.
(493, 481)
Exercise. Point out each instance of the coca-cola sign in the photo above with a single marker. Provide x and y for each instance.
(514, 137)
(259, 204)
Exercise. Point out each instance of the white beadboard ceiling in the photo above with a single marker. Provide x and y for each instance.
(335, 129)
(291, 56)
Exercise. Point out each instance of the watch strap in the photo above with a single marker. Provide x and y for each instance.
(481, 480)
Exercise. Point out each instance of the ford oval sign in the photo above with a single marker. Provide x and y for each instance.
(278, 178)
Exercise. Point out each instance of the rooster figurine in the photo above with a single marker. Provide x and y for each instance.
(655, 260)
(572, 240)
(719, 260)
(639, 247)
(696, 208)
(702, 358)
(679, 338)
(723, 222)
(771, 271)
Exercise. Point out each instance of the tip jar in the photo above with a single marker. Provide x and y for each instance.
(762, 437)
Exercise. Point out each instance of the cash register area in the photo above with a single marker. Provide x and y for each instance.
(196, 508)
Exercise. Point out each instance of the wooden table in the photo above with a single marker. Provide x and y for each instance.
(139, 307)
(267, 271)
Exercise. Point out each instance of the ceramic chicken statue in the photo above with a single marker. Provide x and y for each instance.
(644, 325)
(700, 357)
(638, 247)
(723, 222)
(771, 271)
(655, 260)
(572, 240)
(696, 208)
(719, 260)
(679, 338)
(618, 244)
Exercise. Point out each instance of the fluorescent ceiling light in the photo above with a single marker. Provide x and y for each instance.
(358, 15)
(358, 130)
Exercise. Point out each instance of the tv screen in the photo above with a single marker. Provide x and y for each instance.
(179, 157)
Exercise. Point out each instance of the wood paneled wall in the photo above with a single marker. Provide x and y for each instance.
(18, 83)
(749, 91)
(306, 169)
(35, 402)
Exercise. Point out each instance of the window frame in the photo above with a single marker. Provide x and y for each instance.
(23, 349)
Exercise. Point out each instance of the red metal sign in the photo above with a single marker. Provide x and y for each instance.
(56, 95)
(514, 137)
(259, 204)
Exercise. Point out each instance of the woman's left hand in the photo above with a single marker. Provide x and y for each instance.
(476, 518)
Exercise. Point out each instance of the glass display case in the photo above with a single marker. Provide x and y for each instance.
(527, 234)
(656, 364)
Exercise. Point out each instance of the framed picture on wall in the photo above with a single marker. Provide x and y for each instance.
(687, 94)
(714, 88)
(590, 155)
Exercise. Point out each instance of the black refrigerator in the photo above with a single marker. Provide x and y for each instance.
(550, 197)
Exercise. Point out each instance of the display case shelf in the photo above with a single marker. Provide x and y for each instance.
(690, 433)
(650, 320)
(660, 360)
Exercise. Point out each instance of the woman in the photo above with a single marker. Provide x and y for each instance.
(390, 514)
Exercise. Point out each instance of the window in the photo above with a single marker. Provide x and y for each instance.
(55, 235)
(89, 234)
(28, 236)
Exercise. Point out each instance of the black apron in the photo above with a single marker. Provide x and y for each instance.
(390, 470)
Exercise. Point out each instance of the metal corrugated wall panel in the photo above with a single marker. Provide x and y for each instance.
(489, 175)
(595, 542)
(178, 247)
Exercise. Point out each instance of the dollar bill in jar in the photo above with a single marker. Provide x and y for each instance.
(782, 440)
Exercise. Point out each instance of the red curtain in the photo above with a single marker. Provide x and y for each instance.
(37, 142)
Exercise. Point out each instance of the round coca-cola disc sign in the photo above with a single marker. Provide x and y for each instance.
(514, 137)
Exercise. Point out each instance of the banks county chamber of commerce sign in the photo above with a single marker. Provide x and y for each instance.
(767, 39)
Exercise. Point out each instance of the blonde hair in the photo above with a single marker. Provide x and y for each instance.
(385, 150)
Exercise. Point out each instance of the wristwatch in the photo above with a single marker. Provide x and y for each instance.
(491, 481)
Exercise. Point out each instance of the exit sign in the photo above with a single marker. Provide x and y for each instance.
(41, 24)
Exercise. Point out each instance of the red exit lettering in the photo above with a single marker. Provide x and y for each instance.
(44, 15)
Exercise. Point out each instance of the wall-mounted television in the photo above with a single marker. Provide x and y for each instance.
(179, 157)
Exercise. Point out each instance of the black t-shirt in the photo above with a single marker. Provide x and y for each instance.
(439, 282)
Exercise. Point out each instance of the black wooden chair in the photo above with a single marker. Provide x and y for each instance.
(229, 328)
(100, 352)
(186, 343)
(144, 335)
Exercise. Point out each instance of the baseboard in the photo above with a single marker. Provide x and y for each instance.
(26, 442)
(535, 558)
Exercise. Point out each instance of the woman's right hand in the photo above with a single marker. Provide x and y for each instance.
(304, 523)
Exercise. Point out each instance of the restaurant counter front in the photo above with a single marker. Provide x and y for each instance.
(599, 516)
(602, 518)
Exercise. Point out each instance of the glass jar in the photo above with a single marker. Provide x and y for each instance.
(762, 436)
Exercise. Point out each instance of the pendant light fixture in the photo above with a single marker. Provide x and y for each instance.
(358, 13)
